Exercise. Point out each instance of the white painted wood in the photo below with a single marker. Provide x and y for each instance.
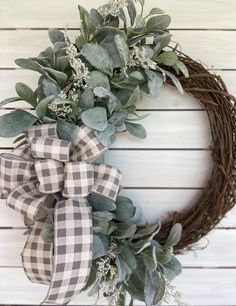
(185, 13)
(198, 286)
(161, 169)
(165, 129)
(201, 45)
(12, 242)
(229, 77)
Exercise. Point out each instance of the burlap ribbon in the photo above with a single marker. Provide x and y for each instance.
(29, 176)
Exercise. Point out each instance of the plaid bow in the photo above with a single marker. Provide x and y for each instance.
(29, 177)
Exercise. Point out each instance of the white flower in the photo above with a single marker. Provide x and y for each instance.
(106, 275)
(112, 8)
(138, 58)
(172, 294)
(81, 72)
(60, 110)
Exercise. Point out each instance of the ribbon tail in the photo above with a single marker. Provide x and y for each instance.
(27, 199)
(73, 239)
(37, 256)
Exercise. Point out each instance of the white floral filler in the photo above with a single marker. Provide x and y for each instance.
(97, 80)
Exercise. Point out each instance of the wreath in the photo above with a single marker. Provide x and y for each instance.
(83, 234)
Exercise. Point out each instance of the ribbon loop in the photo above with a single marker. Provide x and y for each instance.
(52, 148)
(79, 179)
(44, 130)
(14, 171)
(50, 174)
(107, 181)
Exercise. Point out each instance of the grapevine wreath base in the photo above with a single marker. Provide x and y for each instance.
(219, 195)
(83, 234)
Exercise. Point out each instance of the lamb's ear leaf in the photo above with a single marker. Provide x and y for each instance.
(136, 130)
(157, 23)
(95, 118)
(28, 63)
(26, 93)
(56, 36)
(15, 123)
(42, 107)
(98, 57)
(10, 100)
(132, 11)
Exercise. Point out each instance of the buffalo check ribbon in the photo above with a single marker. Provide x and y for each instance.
(44, 169)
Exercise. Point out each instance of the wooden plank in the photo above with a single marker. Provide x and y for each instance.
(201, 45)
(187, 14)
(215, 245)
(229, 77)
(210, 287)
(161, 169)
(165, 129)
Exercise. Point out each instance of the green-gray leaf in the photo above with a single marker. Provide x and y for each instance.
(152, 283)
(128, 256)
(10, 100)
(100, 245)
(98, 79)
(15, 123)
(175, 81)
(124, 209)
(149, 258)
(50, 88)
(122, 48)
(95, 118)
(102, 216)
(118, 119)
(58, 76)
(26, 93)
(100, 203)
(98, 57)
(29, 64)
(67, 131)
(132, 11)
(113, 103)
(87, 99)
(136, 129)
(183, 68)
(156, 11)
(168, 58)
(157, 23)
(105, 136)
(124, 231)
(155, 82)
(175, 235)
(56, 36)
(172, 269)
(134, 98)
(42, 107)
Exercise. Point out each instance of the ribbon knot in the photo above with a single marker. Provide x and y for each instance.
(48, 165)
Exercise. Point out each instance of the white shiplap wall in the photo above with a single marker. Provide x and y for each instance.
(167, 170)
